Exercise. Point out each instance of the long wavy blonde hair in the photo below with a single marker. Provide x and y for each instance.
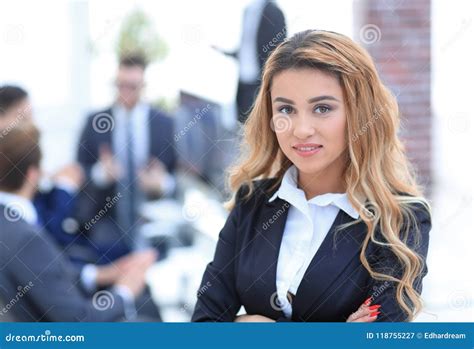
(379, 180)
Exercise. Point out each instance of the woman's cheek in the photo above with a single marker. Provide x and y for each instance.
(283, 139)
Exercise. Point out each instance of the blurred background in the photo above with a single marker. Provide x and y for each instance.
(65, 54)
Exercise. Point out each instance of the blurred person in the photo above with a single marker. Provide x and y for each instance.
(55, 199)
(328, 222)
(263, 29)
(52, 288)
(15, 106)
(126, 150)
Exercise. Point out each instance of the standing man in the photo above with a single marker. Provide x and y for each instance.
(263, 29)
(127, 152)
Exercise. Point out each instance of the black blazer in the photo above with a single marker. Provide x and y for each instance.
(271, 32)
(161, 129)
(243, 272)
(30, 260)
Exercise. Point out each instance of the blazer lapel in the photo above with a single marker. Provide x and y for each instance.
(270, 225)
(106, 138)
(336, 251)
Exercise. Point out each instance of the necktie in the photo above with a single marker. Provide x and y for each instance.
(127, 216)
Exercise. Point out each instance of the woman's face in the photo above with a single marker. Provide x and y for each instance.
(309, 118)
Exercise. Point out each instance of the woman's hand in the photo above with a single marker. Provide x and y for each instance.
(365, 313)
(253, 318)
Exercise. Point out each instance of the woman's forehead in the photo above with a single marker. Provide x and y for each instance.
(305, 83)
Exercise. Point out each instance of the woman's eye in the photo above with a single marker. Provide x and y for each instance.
(322, 109)
(286, 109)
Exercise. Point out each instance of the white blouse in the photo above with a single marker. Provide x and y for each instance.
(307, 225)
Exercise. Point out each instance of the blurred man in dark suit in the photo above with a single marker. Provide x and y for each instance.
(126, 150)
(37, 281)
(55, 200)
(263, 29)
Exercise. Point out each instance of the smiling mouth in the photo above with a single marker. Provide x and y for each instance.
(307, 149)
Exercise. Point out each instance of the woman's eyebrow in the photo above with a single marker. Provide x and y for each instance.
(321, 98)
(311, 100)
(284, 100)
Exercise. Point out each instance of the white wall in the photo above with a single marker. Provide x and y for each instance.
(450, 284)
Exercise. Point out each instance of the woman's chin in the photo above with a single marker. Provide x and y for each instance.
(308, 168)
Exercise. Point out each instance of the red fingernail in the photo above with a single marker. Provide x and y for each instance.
(368, 301)
(374, 314)
(374, 307)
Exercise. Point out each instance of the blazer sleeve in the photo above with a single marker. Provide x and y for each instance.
(217, 298)
(55, 292)
(384, 260)
(54, 207)
(162, 142)
(169, 154)
(273, 32)
(87, 151)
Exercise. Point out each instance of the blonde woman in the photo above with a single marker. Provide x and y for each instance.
(327, 223)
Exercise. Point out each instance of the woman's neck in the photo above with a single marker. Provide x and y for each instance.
(329, 180)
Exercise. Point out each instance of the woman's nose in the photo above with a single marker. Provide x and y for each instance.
(303, 127)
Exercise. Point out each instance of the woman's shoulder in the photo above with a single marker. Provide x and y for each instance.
(416, 224)
(259, 190)
(416, 206)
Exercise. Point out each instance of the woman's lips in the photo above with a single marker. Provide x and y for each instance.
(307, 149)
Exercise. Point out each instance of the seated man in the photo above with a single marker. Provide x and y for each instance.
(56, 201)
(37, 282)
